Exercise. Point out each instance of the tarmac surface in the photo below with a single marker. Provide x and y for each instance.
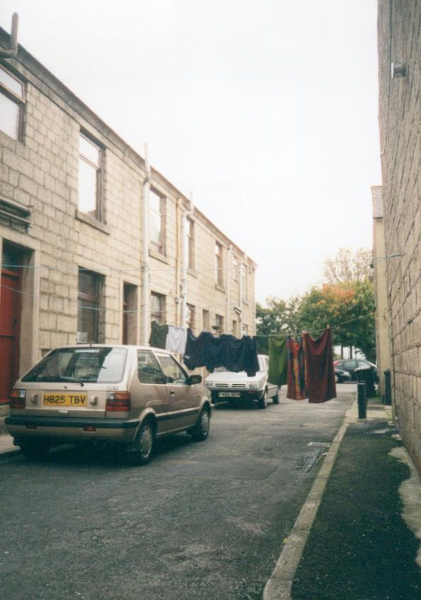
(202, 521)
(358, 533)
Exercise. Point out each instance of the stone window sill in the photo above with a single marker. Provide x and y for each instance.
(155, 253)
(92, 222)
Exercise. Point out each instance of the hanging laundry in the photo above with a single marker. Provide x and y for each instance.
(176, 339)
(296, 389)
(320, 373)
(197, 349)
(278, 363)
(158, 337)
(237, 354)
(227, 351)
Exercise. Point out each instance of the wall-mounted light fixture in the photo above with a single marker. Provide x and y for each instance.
(397, 70)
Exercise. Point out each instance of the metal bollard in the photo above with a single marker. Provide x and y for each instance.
(387, 388)
(362, 400)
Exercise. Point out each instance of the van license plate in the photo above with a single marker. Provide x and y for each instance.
(229, 394)
(64, 399)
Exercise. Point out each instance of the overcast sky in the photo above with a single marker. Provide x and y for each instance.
(266, 111)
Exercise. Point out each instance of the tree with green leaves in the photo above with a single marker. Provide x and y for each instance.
(345, 303)
(277, 318)
(348, 308)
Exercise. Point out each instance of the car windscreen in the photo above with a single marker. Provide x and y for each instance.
(93, 365)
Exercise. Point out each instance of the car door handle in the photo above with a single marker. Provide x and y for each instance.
(172, 392)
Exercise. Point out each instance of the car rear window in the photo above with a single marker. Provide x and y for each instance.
(94, 365)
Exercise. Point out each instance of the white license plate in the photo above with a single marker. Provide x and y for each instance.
(229, 394)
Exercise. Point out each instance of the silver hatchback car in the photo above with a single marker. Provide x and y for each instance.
(127, 396)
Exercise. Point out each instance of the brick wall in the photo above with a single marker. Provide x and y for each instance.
(399, 34)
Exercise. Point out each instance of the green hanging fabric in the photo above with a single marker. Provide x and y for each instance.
(158, 337)
(278, 360)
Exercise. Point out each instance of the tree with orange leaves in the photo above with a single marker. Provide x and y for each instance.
(348, 308)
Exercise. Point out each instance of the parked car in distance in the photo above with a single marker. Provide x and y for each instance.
(350, 364)
(237, 387)
(124, 396)
(341, 376)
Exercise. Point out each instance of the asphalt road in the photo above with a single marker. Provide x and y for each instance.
(203, 521)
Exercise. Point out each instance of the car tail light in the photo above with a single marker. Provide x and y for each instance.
(118, 402)
(17, 399)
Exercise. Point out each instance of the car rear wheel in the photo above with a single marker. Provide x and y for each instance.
(337, 380)
(141, 452)
(263, 401)
(276, 397)
(34, 450)
(201, 429)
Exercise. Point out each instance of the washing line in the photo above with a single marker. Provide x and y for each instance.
(77, 300)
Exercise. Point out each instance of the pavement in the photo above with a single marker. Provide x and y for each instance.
(358, 534)
(6, 445)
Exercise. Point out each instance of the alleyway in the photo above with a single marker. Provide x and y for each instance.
(201, 521)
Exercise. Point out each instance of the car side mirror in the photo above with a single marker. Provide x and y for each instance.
(194, 379)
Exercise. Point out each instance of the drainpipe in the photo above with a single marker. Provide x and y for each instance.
(242, 287)
(13, 50)
(145, 252)
(178, 225)
(184, 242)
(228, 292)
(240, 300)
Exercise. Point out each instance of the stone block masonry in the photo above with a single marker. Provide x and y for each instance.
(399, 35)
(40, 178)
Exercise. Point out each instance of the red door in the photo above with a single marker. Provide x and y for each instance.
(10, 303)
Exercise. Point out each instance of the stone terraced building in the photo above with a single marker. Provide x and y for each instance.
(71, 233)
(399, 42)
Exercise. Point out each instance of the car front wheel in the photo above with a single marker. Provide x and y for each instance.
(263, 401)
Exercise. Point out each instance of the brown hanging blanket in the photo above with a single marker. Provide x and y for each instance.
(296, 389)
(320, 374)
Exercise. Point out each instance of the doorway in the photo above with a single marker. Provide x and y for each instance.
(129, 314)
(10, 319)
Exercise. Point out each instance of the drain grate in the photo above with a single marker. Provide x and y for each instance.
(307, 461)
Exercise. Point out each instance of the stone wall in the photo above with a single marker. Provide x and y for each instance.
(399, 34)
(40, 175)
(380, 290)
